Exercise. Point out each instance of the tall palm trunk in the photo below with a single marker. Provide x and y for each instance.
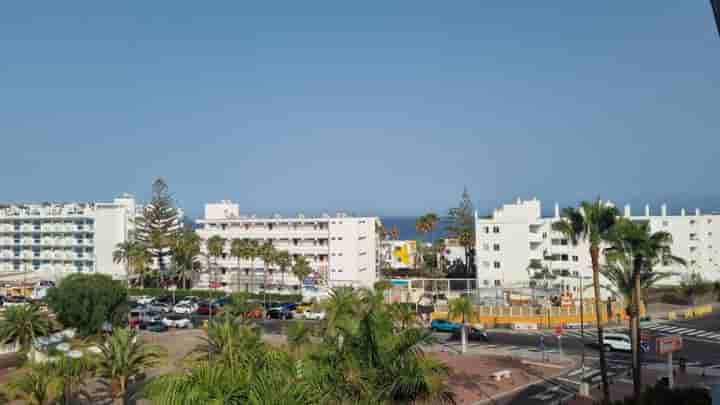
(594, 256)
(637, 367)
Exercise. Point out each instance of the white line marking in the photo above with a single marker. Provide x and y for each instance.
(683, 331)
(575, 372)
(672, 329)
(706, 334)
(696, 333)
(565, 380)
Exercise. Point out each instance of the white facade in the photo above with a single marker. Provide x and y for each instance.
(341, 250)
(517, 233)
(51, 240)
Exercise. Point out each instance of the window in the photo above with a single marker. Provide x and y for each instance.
(709, 221)
(693, 248)
(544, 235)
(496, 265)
(339, 237)
(496, 229)
(487, 229)
(564, 257)
(709, 233)
(485, 282)
(563, 242)
(665, 223)
(486, 264)
(693, 236)
(496, 247)
(692, 222)
(362, 238)
(486, 246)
(497, 283)
(575, 273)
(575, 259)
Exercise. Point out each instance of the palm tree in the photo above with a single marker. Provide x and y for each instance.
(267, 254)
(284, 261)
(22, 325)
(250, 251)
(301, 269)
(71, 374)
(215, 248)
(431, 222)
(463, 308)
(639, 250)
(298, 336)
(403, 315)
(237, 247)
(592, 222)
(341, 309)
(123, 254)
(36, 385)
(124, 355)
(439, 248)
(185, 250)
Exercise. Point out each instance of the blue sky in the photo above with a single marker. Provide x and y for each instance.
(373, 107)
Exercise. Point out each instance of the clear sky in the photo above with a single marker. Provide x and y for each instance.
(384, 107)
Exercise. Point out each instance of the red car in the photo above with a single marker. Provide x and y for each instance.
(204, 309)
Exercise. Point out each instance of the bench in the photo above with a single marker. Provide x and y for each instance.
(501, 375)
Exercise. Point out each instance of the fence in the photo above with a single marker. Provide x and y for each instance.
(506, 316)
(690, 313)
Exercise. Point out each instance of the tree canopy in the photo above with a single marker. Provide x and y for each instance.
(86, 301)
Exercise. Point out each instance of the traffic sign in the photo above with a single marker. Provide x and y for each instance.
(668, 344)
(558, 330)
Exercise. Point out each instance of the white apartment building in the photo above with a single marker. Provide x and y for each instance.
(517, 233)
(51, 240)
(341, 250)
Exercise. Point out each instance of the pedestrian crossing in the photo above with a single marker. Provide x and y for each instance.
(685, 332)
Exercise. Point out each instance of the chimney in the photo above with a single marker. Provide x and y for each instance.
(627, 210)
(557, 210)
(682, 212)
(663, 209)
(647, 210)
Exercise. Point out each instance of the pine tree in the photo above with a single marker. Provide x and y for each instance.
(158, 225)
(462, 226)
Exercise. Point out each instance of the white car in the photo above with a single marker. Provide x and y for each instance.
(314, 315)
(616, 341)
(184, 308)
(143, 299)
(176, 321)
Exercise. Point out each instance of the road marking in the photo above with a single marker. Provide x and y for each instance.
(565, 380)
(706, 334)
(684, 331)
(695, 333)
(575, 372)
(673, 330)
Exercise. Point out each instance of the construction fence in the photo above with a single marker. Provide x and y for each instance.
(529, 317)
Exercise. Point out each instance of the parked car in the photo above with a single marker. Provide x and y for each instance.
(616, 341)
(473, 333)
(16, 301)
(204, 308)
(154, 326)
(144, 299)
(222, 301)
(317, 315)
(279, 313)
(443, 325)
(186, 308)
(177, 321)
(159, 307)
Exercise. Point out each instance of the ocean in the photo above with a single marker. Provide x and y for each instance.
(406, 226)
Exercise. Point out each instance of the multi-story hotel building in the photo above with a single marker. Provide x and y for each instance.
(342, 250)
(517, 234)
(51, 240)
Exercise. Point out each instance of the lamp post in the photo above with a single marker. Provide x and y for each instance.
(584, 389)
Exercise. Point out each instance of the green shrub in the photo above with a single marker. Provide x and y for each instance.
(86, 301)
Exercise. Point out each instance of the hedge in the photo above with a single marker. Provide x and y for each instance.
(180, 294)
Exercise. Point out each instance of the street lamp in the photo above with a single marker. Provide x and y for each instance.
(582, 332)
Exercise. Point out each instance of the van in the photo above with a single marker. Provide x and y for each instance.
(616, 341)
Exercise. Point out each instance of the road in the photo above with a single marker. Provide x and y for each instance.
(701, 349)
